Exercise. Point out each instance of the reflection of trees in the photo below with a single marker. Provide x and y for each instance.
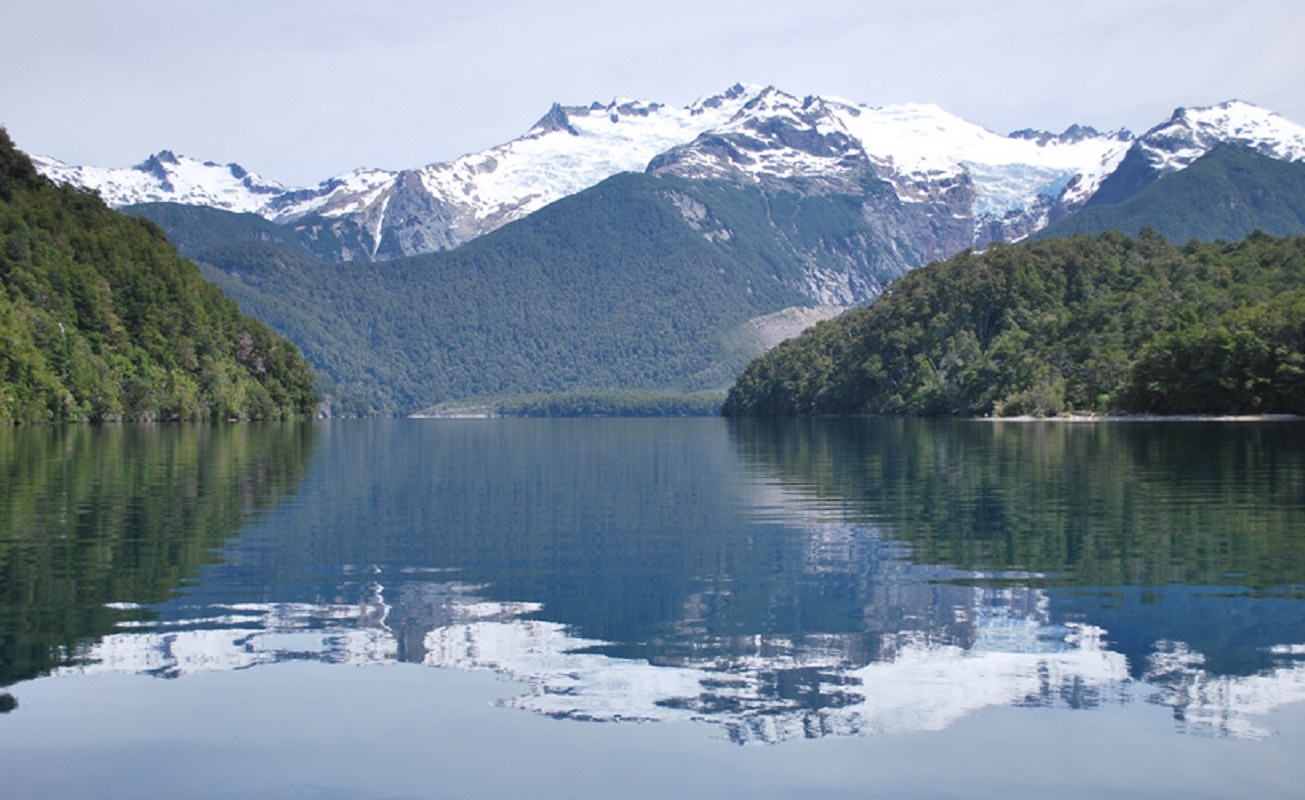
(1102, 504)
(627, 530)
(98, 519)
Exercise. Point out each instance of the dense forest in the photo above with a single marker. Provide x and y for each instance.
(102, 320)
(1084, 324)
(604, 292)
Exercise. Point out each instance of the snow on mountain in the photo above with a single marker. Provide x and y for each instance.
(956, 172)
(570, 149)
(927, 154)
(167, 177)
(775, 136)
(916, 143)
(1192, 132)
(443, 204)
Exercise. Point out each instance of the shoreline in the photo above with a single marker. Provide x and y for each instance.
(1091, 418)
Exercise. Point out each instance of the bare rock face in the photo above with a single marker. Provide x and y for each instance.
(852, 223)
(416, 221)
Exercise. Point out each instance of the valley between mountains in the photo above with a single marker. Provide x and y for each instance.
(632, 247)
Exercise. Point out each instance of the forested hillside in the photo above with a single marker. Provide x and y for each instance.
(101, 319)
(1088, 324)
(194, 229)
(610, 290)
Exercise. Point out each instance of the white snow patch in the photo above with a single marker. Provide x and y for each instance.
(1191, 133)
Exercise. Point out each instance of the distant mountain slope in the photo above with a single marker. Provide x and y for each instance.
(1225, 194)
(1098, 324)
(100, 319)
(195, 228)
(611, 289)
(564, 301)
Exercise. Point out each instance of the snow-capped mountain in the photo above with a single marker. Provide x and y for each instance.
(437, 206)
(567, 151)
(1191, 133)
(953, 183)
(169, 178)
(1005, 186)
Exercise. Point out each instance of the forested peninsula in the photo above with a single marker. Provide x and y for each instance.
(1086, 324)
(102, 320)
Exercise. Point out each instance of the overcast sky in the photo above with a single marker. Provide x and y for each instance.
(301, 90)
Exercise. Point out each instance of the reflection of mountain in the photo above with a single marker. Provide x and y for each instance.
(921, 679)
(1221, 705)
(1100, 511)
(93, 516)
(804, 579)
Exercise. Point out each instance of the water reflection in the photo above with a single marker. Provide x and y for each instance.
(98, 520)
(1002, 647)
(777, 581)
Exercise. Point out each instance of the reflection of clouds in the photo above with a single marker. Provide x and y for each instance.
(923, 677)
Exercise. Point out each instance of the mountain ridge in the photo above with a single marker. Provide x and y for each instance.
(1004, 187)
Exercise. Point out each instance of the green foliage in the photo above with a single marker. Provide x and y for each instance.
(1251, 359)
(100, 319)
(1083, 324)
(96, 515)
(606, 291)
(194, 229)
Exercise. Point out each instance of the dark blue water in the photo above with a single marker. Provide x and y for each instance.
(454, 608)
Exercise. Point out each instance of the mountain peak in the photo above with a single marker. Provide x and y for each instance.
(1192, 132)
(157, 165)
(556, 120)
(735, 92)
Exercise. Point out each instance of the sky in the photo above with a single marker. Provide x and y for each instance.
(302, 90)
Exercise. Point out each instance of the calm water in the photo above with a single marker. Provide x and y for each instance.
(642, 608)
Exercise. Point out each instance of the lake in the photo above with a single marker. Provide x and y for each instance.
(649, 608)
